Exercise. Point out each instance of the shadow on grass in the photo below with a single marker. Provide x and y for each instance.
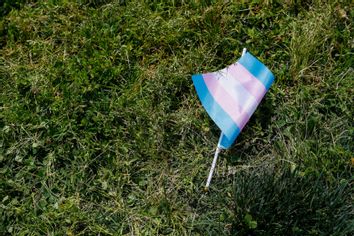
(290, 203)
(7, 5)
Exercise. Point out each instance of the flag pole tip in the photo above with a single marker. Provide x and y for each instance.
(206, 189)
(244, 51)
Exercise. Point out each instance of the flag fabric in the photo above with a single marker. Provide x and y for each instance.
(231, 95)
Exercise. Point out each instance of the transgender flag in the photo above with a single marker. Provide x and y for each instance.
(231, 95)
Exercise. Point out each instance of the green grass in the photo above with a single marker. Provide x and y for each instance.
(102, 132)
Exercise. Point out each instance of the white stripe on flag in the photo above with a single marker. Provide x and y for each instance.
(236, 90)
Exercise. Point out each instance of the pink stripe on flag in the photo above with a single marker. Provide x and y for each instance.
(227, 102)
(248, 81)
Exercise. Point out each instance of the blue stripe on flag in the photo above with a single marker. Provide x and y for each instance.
(257, 69)
(224, 142)
(217, 114)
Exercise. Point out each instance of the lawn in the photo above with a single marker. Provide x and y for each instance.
(102, 132)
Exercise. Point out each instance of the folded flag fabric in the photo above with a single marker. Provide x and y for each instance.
(231, 95)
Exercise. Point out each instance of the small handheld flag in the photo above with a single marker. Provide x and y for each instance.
(231, 95)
